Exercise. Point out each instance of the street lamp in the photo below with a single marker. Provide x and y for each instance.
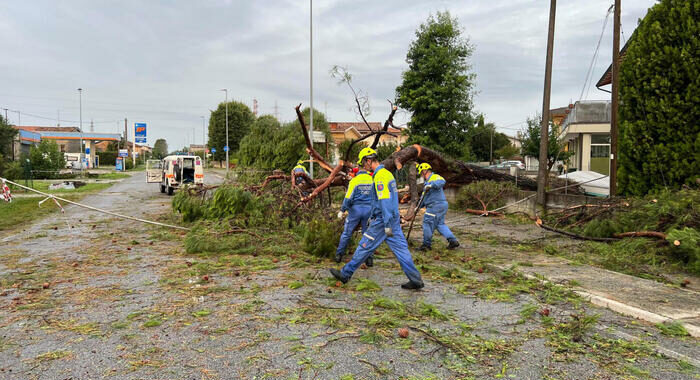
(226, 148)
(80, 95)
(204, 142)
(311, 82)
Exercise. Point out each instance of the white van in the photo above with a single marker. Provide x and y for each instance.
(174, 171)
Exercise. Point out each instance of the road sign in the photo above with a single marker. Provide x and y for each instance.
(141, 140)
(226, 148)
(213, 150)
(123, 153)
(87, 150)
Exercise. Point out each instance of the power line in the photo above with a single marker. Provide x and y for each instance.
(589, 73)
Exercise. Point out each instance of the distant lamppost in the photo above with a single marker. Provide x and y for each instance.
(204, 141)
(80, 95)
(226, 148)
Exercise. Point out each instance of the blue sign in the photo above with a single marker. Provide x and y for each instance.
(119, 166)
(226, 148)
(213, 150)
(87, 150)
(140, 140)
(123, 153)
(140, 129)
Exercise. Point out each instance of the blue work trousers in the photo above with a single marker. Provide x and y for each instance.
(356, 215)
(434, 218)
(372, 238)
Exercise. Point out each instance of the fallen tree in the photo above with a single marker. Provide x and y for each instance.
(455, 172)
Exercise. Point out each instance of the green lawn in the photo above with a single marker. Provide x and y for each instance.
(23, 210)
(43, 185)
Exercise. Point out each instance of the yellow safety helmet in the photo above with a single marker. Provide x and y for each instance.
(300, 162)
(366, 153)
(423, 166)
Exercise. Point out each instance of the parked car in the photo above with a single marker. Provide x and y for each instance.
(517, 164)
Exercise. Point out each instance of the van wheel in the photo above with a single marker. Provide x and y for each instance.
(162, 188)
(170, 190)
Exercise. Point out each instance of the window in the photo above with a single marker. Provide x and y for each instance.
(600, 139)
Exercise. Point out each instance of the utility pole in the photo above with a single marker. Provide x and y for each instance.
(544, 130)
(204, 143)
(311, 81)
(58, 118)
(226, 148)
(82, 150)
(277, 115)
(92, 126)
(615, 99)
(7, 121)
(491, 149)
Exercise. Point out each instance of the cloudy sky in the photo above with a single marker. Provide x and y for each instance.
(164, 62)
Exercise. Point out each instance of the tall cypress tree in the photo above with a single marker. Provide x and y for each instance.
(660, 100)
(437, 88)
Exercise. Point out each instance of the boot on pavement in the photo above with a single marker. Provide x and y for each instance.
(370, 261)
(338, 276)
(412, 285)
(453, 244)
(424, 248)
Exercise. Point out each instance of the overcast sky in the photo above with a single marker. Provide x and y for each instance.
(163, 62)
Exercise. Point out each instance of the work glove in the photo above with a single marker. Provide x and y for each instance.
(340, 214)
(427, 187)
(388, 231)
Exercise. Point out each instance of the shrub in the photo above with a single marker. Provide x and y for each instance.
(321, 237)
(492, 193)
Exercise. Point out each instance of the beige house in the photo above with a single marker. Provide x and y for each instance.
(341, 131)
(586, 131)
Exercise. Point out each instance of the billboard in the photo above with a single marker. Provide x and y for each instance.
(140, 133)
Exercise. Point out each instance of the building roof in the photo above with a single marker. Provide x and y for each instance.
(37, 128)
(77, 136)
(359, 126)
(606, 79)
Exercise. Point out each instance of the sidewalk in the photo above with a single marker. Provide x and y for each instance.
(640, 298)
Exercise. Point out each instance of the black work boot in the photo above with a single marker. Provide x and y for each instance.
(338, 276)
(370, 261)
(453, 244)
(338, 257)
(424, 248)
(412, 285)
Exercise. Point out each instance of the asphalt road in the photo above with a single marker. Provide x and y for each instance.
(85, 295)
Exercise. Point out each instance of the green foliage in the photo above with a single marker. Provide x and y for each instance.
(672, 329)
(232, 201)
(191, 208)
(659, 97)
(531, 142)
(676, 214)
(240, 120)
(688, 246)
(321, 237)
(160, 149)
(107, 158)
(438, 87)
(343, 147)
(492, 193)
(10, 169)
(270, 146)
(7, 135)
(46, 159)
(480, 140)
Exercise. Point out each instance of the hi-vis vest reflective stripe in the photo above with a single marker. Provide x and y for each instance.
(363, 183)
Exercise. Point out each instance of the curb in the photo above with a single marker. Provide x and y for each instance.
(616, 306)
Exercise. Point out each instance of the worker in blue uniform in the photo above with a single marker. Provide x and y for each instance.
(435, 208)
(384, 225)
(358, 204)
(299, 169)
